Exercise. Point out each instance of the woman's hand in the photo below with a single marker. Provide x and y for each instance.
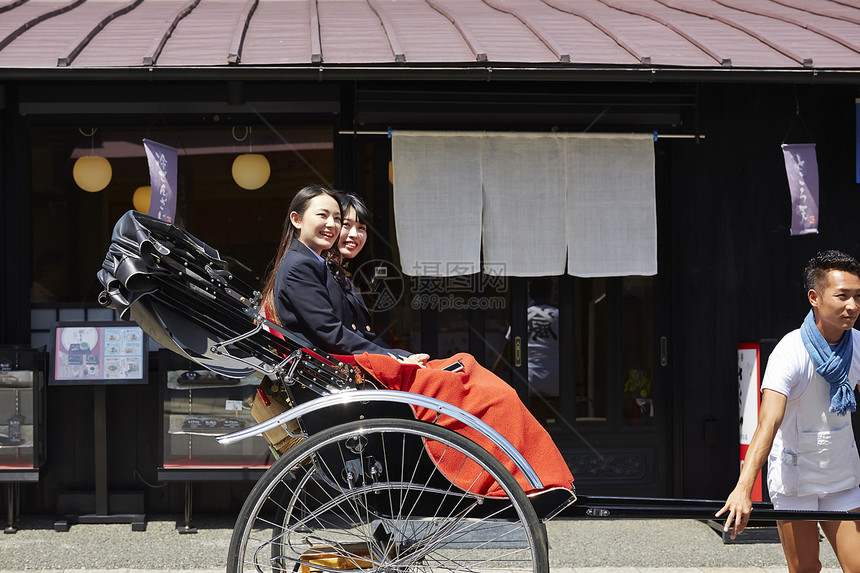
(419, 359)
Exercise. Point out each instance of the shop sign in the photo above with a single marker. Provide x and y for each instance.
(801, 167)
(749, 399)
(162, 161)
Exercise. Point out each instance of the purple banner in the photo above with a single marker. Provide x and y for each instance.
(162, 176)
(801, 167)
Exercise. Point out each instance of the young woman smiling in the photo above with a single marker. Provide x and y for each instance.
(301, 291)
(353, 253)
(353, 234)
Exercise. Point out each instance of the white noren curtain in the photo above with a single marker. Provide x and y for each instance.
(437, 202)
(611, 205)
(537, 200)
(524, 205)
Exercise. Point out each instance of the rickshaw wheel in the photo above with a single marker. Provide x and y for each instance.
(366, 496)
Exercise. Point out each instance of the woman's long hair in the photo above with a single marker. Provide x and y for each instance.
(299, 205)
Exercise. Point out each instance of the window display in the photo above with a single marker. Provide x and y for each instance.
(198, 406)
(241, 226)
(22, 383)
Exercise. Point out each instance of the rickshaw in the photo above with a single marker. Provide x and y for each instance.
(364, 485)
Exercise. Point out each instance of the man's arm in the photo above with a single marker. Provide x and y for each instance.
(739, 502)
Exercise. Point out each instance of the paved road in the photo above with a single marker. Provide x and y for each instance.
(596, 546)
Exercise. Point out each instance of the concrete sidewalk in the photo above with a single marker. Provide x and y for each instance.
(576, 546)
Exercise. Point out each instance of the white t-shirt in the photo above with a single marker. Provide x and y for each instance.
(813, 451)
(790, 368)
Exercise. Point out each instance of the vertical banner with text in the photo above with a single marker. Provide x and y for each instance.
(162, 161)
(801, 167)
(749, 399)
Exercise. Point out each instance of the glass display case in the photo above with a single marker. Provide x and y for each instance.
(198, 406)
(22, 413)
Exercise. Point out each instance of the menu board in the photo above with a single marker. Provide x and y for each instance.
(98, 353)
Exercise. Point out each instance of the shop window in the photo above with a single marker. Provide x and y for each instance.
(589, 349)
(589, 345)
(614, 321)
(637, 350)
(590, 313)
(71, 228)
(543, 331)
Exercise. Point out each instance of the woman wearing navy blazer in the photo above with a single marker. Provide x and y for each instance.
(300, 289)
(355, 217)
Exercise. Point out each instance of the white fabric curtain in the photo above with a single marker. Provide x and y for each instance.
(584, 199)
(437, 202)
(524, 204)
(611, 205)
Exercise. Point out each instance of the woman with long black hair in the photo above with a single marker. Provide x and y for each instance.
(301, 291)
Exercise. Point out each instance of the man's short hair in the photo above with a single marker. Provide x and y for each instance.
(824, 261)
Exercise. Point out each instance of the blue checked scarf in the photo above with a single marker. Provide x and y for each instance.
(833, 365)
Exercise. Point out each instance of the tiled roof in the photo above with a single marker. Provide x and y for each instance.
(685, 34)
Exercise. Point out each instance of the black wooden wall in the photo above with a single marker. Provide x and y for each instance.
(736, 269)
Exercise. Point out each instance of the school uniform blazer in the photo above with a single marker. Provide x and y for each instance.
(359, 315)
(310, 302)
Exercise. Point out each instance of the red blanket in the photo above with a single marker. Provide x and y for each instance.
(484, 395)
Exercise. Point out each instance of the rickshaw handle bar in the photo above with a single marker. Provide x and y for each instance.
(698, 509)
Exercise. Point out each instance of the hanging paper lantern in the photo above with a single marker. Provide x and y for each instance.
(141, 198)
(251, 171)
(92, 173)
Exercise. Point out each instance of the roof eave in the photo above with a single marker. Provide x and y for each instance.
(468, 72)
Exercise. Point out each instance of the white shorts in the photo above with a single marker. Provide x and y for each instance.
(836, 501)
